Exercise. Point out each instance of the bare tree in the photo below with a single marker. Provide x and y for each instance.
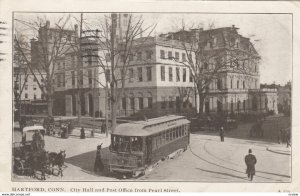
(209, 61)
(116, 47)
(48, 45)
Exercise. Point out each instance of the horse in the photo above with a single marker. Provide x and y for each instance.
(57, 159)
(38, 161)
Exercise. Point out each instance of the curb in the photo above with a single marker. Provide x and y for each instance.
(274, 151)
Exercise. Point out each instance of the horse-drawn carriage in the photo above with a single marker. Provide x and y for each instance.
(30, 157)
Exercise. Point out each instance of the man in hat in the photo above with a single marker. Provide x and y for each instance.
(98, 166)
(222, 133)
(250, 161)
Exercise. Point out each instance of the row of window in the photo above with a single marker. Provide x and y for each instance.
(168, 136)
(140, 103)
(184, 74)
(165, 103)
(171, 56)
(34, 96)
(140, 74)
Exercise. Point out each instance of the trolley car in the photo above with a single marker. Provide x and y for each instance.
(137, 145)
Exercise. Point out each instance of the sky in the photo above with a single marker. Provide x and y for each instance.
(271, 34)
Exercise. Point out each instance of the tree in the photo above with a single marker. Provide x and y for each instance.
(115, 50)
(208, 61)
(51, 44)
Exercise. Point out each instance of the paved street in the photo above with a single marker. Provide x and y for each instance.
(206, 160)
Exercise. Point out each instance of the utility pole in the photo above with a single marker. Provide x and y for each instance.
(79, 65)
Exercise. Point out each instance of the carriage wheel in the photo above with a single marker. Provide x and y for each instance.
(19, 167)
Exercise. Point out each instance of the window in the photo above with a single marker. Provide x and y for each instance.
(140, 74)
(73, 60)
(89, 59)
(69, 38)
(183, 57)
(170, 55)
(107, 75)
(238, 84)
(58, 80)
(73, 78)
(171, 102)
(26, 95)
(124, 103)
(219, 84)
(132, 103)
(254, 68)
(170, 74)
(139, 55)
(131, 76)
(34, 96)
(184, 75)
(141, 103)
(90, 76)
(177, 74)
(243, 84)
(80, 78)
(149, 73)
(255, 83)
(191, 76)
(150, 102)
(34, 79)
(231, 83)
(58, 65)
(162, 54)
(42, 96)
(26, 87)
(177, 56)
(163, 103)
(162, 73)
(63, 79)
(148, 54)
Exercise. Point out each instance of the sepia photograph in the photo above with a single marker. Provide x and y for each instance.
(151, 96)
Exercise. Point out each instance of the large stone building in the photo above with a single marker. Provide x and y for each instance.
(157, 81)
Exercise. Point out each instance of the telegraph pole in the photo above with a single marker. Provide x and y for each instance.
(79, 65)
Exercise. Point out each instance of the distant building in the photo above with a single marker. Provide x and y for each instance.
(284, 98)
(31, 100)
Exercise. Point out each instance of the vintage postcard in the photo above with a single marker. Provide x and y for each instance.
(149, 96)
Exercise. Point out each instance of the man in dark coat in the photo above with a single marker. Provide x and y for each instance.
(82, 133)
(98, 166)
(250, 161)
(222, 133)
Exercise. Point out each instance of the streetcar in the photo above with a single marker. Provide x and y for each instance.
(137, 145)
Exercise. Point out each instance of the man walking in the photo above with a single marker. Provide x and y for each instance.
(250, 161)
(222, 133)
(98, 166)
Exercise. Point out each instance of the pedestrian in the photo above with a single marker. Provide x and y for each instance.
(288, 138)
(82, 133)
(250, 161)
(98, 166)
(279, 133)
(222, 133)
(103, 127)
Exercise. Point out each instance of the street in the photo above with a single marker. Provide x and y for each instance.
(206, 160)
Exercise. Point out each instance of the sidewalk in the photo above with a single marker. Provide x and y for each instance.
(280, 150)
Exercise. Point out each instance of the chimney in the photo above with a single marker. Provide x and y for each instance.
(233, 26)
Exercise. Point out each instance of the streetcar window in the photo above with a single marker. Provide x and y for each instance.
(167, 135)
(173, 133)
(136, 144)
(122, 144)
(179, 132)
(176, 133)
(163, 137)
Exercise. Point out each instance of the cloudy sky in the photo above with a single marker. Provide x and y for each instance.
(271, 34)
